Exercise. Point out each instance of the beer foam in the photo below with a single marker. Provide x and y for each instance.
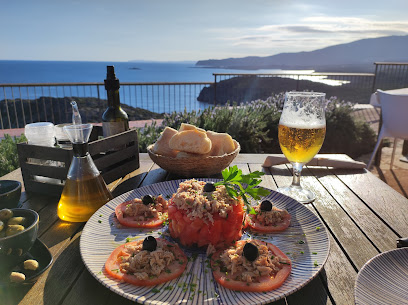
(303, 125)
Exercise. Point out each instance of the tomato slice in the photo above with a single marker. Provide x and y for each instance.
(254, 224)
(112, 265)
(264, 283)
(129, 221)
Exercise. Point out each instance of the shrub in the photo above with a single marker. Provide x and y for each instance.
(8, 153)
(255, 126)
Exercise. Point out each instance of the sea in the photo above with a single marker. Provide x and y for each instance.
(17, 71)
(39, 72)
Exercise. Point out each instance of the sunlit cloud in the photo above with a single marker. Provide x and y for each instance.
(312, 33)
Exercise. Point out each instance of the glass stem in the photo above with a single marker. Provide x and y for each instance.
(297, 169)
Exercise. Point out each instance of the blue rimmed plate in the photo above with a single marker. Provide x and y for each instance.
(384, 279)
(306, 242)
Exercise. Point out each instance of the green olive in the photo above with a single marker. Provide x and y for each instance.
(5, 214)
(14, 229)
(16, 221)
(1, 226)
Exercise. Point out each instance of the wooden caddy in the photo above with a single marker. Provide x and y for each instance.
(114, 156)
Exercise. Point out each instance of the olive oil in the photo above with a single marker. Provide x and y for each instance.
(85, 190)
(81, 198)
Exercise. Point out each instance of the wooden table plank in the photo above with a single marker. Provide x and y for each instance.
(379, 197)
(377, 232)
(87, 290)
(339, 275)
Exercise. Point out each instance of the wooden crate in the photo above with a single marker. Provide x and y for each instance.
(113, 164)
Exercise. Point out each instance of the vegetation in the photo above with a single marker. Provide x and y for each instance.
(255, 126)
(8, 153)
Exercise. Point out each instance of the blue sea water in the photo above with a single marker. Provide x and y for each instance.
(154, 99)
(82, 71)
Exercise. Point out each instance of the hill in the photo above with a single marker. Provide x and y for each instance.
(358, 55)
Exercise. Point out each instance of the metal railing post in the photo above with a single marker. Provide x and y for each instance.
(215, 89)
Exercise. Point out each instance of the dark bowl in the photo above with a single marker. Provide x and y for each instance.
(10, 192)
(13, 247)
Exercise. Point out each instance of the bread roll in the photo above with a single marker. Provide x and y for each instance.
(185, 126)
(161, 147)
(192, 141)
(222, 143)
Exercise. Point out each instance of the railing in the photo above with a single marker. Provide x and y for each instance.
(27, 103)
(390, 75)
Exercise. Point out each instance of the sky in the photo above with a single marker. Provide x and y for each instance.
(188, 30)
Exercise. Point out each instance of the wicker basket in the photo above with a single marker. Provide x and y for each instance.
(194, 166)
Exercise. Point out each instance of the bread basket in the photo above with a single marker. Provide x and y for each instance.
(197, 166)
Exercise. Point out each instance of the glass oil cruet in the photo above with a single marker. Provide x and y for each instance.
(85, 190)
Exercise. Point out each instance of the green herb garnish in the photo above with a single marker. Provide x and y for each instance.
(234, 178)
(155, 290)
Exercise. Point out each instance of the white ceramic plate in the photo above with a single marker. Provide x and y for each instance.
(306, 242)
(384, 279)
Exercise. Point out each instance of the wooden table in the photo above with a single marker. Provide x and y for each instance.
(364, 217)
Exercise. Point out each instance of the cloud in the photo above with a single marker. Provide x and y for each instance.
(312, 33)
(303, 29)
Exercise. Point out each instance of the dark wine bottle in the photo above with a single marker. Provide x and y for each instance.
(114, 120)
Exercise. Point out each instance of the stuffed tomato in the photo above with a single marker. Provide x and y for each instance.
(146, 262)
(145, 212)
(201, 214)
(268, 218)
(251, 265)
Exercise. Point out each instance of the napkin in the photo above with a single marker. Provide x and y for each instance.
(317, 161)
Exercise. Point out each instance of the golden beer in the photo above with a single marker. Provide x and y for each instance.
(301, 144)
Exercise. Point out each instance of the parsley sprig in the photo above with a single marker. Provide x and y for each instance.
(239, 185)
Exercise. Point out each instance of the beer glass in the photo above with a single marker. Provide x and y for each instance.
(302, 128)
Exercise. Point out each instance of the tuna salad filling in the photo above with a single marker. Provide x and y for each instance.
(237, 267)
(197, 203)
(270, 218)
(144, 264)
(140, 211)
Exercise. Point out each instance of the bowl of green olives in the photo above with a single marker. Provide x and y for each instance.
(10, 192)
(18, 232)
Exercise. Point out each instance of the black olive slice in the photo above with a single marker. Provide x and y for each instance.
(209, 187)
(147, 199)
(250, 252)
(149, 243)
(266, 206)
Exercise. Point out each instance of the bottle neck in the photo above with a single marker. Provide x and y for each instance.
(80, 150)
(113, 98)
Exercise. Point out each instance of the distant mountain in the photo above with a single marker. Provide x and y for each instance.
(357, 55)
